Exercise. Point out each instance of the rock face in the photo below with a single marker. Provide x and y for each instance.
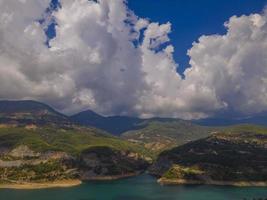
(106, 163)
(232, 158)
(23, 152)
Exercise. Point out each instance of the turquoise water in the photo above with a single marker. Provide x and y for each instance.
(138, 188)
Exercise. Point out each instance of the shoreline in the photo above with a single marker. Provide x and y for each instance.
(61, 183)
(165, 181)
(111, 178)
(31, 185)
(162, 181)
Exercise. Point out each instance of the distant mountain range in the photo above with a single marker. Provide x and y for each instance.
(48, 146)
(120, 124)
(115, 124)
(29, 111)
(258, 119)
(155, 134)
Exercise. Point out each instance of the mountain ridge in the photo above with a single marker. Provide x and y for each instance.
(126, 123)
(39, 144)
(27, 112)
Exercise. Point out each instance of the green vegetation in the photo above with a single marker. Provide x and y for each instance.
(245, 128)
(236, 153)
(48, 171)
(38, 144)
(73, 141)
(113, 162)
(160, 136)
(180, 172)
(70, 140)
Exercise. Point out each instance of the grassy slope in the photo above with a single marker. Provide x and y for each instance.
(165, 135)
(70, 140)
(237, 129)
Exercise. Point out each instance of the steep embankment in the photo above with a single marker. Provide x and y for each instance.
(235, 156)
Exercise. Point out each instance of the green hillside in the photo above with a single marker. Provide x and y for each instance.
(71, 140)
(234, 156)
(43, 154)
(158, 136)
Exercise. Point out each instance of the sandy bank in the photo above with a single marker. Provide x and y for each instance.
(165, 181)
(56, 184)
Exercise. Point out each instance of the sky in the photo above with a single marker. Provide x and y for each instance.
(190, 19)
(120, 58)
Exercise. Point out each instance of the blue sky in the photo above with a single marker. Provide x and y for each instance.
(192, 18)
(92, 64)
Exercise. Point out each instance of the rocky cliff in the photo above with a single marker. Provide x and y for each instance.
(101, 163)
(234, 157)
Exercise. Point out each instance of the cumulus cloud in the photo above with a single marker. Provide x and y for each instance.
(106, 58)
(232, 68)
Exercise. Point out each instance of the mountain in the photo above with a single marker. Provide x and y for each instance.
(233, 156)
(39, 145)
(155, 134)
(118, 125)
(115, 124)
(259, 119)
(30, 112)
(159, 135)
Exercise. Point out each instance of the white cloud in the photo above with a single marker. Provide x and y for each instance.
(93, 63)
(233, 67)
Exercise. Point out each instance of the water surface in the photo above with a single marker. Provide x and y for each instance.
(142, 187)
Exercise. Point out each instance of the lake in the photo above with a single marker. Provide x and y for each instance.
(142, 187)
